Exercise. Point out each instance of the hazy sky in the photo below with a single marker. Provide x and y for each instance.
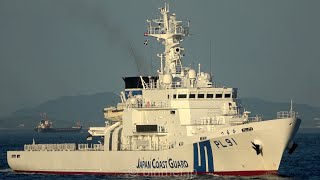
(51, 48)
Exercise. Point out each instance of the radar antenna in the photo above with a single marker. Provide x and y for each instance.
(170, 32)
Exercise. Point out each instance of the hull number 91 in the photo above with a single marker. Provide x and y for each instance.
(226, 143)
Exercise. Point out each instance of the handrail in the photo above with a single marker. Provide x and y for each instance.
(287, 114)
(150, 104)
(50, 147)
(177, 30)
(63, 147)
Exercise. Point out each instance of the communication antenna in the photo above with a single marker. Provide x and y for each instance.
(210, 61)
(151, 50)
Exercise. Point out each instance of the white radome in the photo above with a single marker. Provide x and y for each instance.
(192, 74)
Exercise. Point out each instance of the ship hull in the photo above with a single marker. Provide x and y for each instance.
(226, 173)
(219, 153)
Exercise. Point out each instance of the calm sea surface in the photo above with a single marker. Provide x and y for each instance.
(304, 163)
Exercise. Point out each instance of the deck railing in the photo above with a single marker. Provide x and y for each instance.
(90, 147)
(63, 147)
(287, 114)
(148, 104)
(177, 30)
(50, 147)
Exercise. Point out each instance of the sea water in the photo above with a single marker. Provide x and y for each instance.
(304, 163)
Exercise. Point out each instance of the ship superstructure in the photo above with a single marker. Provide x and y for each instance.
(44, 125)
(177, 122)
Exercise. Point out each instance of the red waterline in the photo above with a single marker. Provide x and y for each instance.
(223, 173)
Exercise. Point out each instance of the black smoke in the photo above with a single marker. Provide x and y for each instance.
(98, 15)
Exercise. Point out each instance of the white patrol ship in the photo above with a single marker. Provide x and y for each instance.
(177, 122)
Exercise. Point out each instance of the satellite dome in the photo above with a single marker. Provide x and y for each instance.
(192, 74)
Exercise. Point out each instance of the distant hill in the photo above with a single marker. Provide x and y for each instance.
(309, 114)
(64, 111)
(88, 109)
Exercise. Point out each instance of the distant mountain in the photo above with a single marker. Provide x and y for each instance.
(64, 111)
(309, 114)
(88, 109)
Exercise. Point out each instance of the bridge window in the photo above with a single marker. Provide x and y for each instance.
(192, 96)
(200, 95)
(146, 128)
(172, 112)
(227, 95)
(218, 95)
(209, 95)
(182, 96)
(174, 96)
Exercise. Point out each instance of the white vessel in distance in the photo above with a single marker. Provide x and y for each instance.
(177, 122)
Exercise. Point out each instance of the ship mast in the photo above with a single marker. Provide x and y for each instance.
(168, 30)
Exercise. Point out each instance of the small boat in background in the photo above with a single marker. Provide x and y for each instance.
(45, 125)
